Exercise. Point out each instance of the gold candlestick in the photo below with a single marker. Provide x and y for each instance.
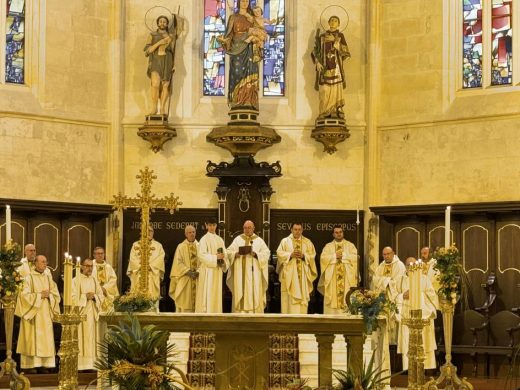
(69, 349)
(8, 366)
(448, 370)
(415, 324)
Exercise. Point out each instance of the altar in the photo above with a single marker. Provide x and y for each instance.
(242, 341)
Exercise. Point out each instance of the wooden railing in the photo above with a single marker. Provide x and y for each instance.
(242, 340)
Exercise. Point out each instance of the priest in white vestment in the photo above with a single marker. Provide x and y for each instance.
(185, 273)
(88, 296)
(28, 261)
(247, 277)
(339, 272)
(297, 270)
(37, 306)
(213, 263)
(387, 273)
(429, 268)
(385, 279)
(155, 267)
(429, 303)
(106, 276)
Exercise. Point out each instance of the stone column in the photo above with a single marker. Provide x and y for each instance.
(325, 359)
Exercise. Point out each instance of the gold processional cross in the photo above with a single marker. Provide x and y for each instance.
(145, 202)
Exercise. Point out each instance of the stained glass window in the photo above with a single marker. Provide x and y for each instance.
(472, 43)
(501, 42)
(15, 41)
(214, 57)
(274, 48)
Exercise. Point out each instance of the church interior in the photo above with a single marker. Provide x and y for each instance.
(431, 107)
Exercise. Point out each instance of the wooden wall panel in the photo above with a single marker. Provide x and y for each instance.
(77, 238)
(45, 234)
(18, 229)
(476, 252)
(508, 263)
(435, 237)
(408, 240)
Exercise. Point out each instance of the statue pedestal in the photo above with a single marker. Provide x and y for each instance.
(243, 135)
(329, 132)
(157, 131)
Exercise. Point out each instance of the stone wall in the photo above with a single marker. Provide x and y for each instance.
(436, 142)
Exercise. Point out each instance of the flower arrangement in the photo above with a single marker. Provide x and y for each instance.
(450, 272)
(10, 279)
(370, 304)
(134, 302)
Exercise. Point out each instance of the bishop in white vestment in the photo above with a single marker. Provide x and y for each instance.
(429, 304)
(37, 305)
(247, 277)
(213, 263)
(185, 273)
(155, 267)
(339, 272)
(88, 296)
(297, 271)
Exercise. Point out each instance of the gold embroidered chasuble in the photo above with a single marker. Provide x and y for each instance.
(337, 275)
(183, 289)
(247, 276)
(296, 275)
(106, 276)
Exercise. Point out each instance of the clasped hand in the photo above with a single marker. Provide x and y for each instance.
(192, 274)
(45, 294)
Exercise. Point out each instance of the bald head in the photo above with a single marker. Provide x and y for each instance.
(30, 252)
(409, 261)
(388, 254)
(249, 228)
(190, 233)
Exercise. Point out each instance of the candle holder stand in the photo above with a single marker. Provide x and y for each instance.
(8, 366)
(69, 349)
(416, 357)
(448, 370)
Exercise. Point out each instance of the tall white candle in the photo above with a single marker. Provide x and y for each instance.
(7, 223)
(447, 227)
(357, 215)
(414, 275)
(78, 265)
(67, 281)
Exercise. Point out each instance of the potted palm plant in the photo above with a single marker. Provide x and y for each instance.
(371, 378)
(138, 357)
